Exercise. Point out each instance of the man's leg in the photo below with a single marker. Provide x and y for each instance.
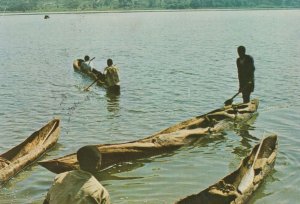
(246, 96)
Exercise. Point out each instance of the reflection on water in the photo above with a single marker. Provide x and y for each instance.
(113, 102)
(110, 173)
(246, 141)
(205, 141)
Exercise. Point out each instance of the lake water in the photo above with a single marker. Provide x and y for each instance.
(173, 66)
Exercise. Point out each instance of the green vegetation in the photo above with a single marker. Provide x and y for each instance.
(88, 5)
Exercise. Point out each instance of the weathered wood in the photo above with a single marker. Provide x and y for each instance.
(172, 138)
(226, 191)
(24, 154)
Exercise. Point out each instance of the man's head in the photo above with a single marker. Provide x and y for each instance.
(109, 62)
(86, 58)
(89, 158)
(241, 51)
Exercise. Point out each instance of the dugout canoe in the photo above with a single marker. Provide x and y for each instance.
(226, 190)
(170, 139)
(91, 74)
(24, 154)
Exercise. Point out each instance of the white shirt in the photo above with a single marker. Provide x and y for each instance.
(77, 187)
(86, 66)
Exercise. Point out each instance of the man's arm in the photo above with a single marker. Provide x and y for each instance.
(239, 73)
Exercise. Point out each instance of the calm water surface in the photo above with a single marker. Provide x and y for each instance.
(173, 66)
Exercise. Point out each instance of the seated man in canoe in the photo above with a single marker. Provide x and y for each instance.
(80, 186)
(86, 64)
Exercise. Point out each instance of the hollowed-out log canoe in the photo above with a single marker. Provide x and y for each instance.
(170, 139)
(24, 154)
(93, 74)
(226, 191)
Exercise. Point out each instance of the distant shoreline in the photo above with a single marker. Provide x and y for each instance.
(140, 11)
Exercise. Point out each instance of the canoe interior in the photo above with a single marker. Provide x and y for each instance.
(233, 113)
(167, 140)
(16, 158)
(226, 190)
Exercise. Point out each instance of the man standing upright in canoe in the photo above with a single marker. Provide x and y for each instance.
(112, 77)
(245, 66)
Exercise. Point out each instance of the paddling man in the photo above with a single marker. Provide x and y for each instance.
(245, 66)
(86, 64)
(80, 186)
(112, 77)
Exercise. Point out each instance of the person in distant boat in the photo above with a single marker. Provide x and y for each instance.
(246, 68)
(86, 65)
(80, 186)
(112, 81)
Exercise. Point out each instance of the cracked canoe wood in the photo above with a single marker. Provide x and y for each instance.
(24, 154)
(226, 191)
(170, 139)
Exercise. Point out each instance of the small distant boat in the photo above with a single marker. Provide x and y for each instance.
(226, 190)
(24, 154)
(46, 17)
(172, 138)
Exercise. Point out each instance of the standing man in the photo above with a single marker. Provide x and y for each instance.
(80, 186)
(112, 77)
(245, 66)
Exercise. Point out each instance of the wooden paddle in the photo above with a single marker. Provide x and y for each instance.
(91, 60)
(97, 79)
(248, 178)
(229, 101)
(87, 88)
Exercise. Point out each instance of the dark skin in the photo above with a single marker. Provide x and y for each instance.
(245, 65)
(89, 161)
(93, 166)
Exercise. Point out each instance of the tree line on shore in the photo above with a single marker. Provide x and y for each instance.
(86, 5)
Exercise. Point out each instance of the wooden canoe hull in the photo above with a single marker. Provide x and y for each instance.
(24, 154)
(92, 75)
(170, 139)
(225, 191)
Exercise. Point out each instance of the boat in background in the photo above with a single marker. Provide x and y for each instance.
(226, 191)
(172, 138)
(24, 154)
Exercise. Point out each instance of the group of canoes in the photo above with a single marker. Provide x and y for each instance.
(234, 188)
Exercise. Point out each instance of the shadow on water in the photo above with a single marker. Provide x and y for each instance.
(110, 172)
